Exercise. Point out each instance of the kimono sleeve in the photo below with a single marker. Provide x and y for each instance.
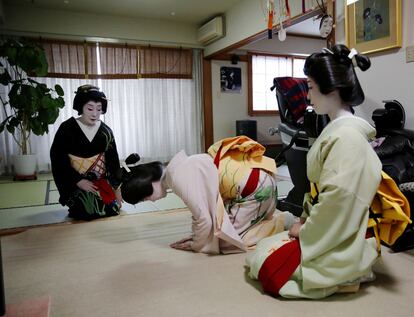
(112, 161)
(64, 175)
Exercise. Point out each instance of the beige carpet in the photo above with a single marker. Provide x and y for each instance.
(124, 267)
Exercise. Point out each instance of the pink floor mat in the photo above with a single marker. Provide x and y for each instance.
(33, 307)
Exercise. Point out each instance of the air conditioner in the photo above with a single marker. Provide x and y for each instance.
(211, 31)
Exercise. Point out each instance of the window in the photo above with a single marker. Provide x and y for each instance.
(156, 116)
(262, 69)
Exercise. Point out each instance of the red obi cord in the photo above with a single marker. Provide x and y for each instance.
(105, 190)
(279, 267)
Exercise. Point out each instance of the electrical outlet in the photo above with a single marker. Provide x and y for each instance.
(409, 54)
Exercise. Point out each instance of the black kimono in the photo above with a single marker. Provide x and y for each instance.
(74, 158)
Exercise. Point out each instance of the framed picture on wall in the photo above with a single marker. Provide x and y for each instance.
(373, 25)
(230, 79)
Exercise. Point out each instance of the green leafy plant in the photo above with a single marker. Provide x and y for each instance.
(31, 106)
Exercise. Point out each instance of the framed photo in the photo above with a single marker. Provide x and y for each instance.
(373, 25)
(230, 79)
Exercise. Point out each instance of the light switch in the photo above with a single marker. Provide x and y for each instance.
(409, 54)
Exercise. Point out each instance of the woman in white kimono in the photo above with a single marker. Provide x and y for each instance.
(231, 193)
(327, 251)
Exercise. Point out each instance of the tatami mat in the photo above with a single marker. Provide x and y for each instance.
(55, 213)
(21, 194)
(53, 197)
(171, 201)
(124, 267)
(32, 216)
(34, 203)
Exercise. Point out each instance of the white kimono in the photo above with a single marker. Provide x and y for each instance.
(334, 249)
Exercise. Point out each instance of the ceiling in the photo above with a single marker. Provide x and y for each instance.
(185, 11)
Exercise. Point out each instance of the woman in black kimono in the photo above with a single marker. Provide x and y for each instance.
(84, 159)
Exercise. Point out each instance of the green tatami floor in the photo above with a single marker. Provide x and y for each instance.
(34, 203)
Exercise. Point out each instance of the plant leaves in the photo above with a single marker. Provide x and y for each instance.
(59, 90)
(35, 106)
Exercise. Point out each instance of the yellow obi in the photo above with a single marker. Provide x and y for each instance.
(393, 211)
(94, 163)
(389, 211)
(238, 156)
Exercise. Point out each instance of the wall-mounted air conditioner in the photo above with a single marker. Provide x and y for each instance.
(211, 31)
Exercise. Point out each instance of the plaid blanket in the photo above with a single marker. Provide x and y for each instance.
(295, 91)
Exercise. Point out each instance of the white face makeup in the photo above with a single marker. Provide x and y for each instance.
(158, 191)
(326, 26)
(316, 98)
(91, 113)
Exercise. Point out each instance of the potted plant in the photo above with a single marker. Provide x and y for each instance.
(31, 106)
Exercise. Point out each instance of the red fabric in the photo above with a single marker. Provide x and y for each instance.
(251, 183)
(279, 267)
(105, 191)
(217, 158)
(295, 91)
(288, 9)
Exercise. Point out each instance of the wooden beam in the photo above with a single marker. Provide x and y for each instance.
(330, 10)
(207, 104)
(263, 34)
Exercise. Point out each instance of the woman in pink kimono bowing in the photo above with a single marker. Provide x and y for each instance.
(231, 193)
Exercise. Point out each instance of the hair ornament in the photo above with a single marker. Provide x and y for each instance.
(341, 56)
(351, 56)
(127, 166)
(327, 50)
(352, 53)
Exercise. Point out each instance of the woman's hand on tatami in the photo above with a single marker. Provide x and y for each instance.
(183, 244)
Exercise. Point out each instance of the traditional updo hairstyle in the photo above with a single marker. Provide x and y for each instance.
(334, 69)
(87, 93)
(137, 178)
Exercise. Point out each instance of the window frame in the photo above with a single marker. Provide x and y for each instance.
(250, 109)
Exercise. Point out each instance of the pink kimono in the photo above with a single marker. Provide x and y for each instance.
(230, 226)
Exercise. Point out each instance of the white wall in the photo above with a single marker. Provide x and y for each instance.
(76, 25)
(389, 76)
(227, 107)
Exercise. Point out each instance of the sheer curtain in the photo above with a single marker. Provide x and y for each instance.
(264, 69)
(153, 117)
(39, 144)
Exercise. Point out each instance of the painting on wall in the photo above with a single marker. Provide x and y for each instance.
(230, 79)
(373, 25)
